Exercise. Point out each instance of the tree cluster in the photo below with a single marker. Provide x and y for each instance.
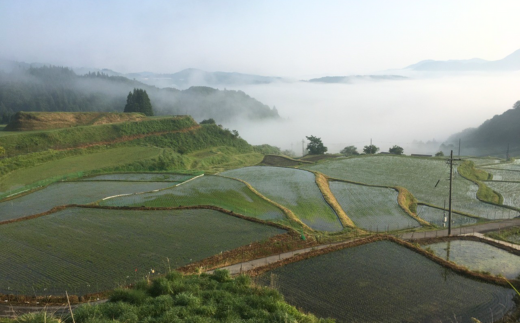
(349, 151)
(315, 146)
(138, 101)
(370, 150)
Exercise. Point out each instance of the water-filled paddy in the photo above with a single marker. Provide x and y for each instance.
(418, 175)
(223, 192)
(294, 189)
(70, 193)
(372, 208)
(479, 256)
(384, 282)
(504, 174)
(510, 192)
(86, 250)
(437, 216)
(141, 177)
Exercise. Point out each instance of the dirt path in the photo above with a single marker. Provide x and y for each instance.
(480, 228)
(248, 265)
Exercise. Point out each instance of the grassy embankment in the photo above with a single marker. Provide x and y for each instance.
(485, 194)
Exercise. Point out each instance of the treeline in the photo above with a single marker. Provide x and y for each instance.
(497, 136)
(52, 88)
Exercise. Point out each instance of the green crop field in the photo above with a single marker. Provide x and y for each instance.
(510, 235)
(141, 177)
(208, 190)
(479, 256)
(504, 166)
(88, 250)
(102, 159)
(70, 193)
(384, 282)
(372, 208)
(504, 174)
(418, 175)
(483, 161)
(510, 192)
(436, 216)
(294, 189)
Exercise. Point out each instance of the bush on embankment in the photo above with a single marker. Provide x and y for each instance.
(193, 298)
(74, 137)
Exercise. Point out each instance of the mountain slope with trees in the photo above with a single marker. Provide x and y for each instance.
(491, 138)
(60, 89)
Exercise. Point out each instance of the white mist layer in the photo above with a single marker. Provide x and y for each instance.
(389, 112)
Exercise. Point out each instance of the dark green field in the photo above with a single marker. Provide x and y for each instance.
(89, 250)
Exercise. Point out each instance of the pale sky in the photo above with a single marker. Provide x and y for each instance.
(280, 38)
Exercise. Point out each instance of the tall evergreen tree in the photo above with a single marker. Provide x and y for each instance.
(138, 101)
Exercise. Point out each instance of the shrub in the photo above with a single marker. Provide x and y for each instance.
(221, 275)
(132, 296)
(161, 286)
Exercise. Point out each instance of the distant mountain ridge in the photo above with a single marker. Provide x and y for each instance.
(508, 63)
(357, 78)
(191, 77)
(51, 88)
(491, 138)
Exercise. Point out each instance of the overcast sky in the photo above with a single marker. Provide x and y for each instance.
(282, 38)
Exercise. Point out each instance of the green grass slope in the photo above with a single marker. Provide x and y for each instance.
(67, 138)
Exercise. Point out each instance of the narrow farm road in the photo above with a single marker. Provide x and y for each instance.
(248, 265)
(480, 228)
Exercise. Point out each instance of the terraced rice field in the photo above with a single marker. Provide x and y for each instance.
(70, 193)
(418, 175)
(504, 175)
(223, 192)
(141, 177)
(294, 189)
(372, 208)
(510, 192)
(436, 217)
(483, 161)
(505, 166)
(384, 282)
(479, 256)
(88, 250)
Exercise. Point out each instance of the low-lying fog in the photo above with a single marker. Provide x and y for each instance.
(389, 112)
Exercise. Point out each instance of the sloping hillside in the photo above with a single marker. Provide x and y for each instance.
(30, 121)
(59, 89)
(492, 138)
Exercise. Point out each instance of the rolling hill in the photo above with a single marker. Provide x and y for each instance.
(60, 89)
(508, 63)
(494, 137)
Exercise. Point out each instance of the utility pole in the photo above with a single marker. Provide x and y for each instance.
(370, 141)
(459, 147)
(450, 161)
(303, 149)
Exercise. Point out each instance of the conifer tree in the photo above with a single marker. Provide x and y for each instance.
(138, 101)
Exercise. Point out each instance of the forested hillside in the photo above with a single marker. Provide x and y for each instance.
(60, 89)
(495, 137)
